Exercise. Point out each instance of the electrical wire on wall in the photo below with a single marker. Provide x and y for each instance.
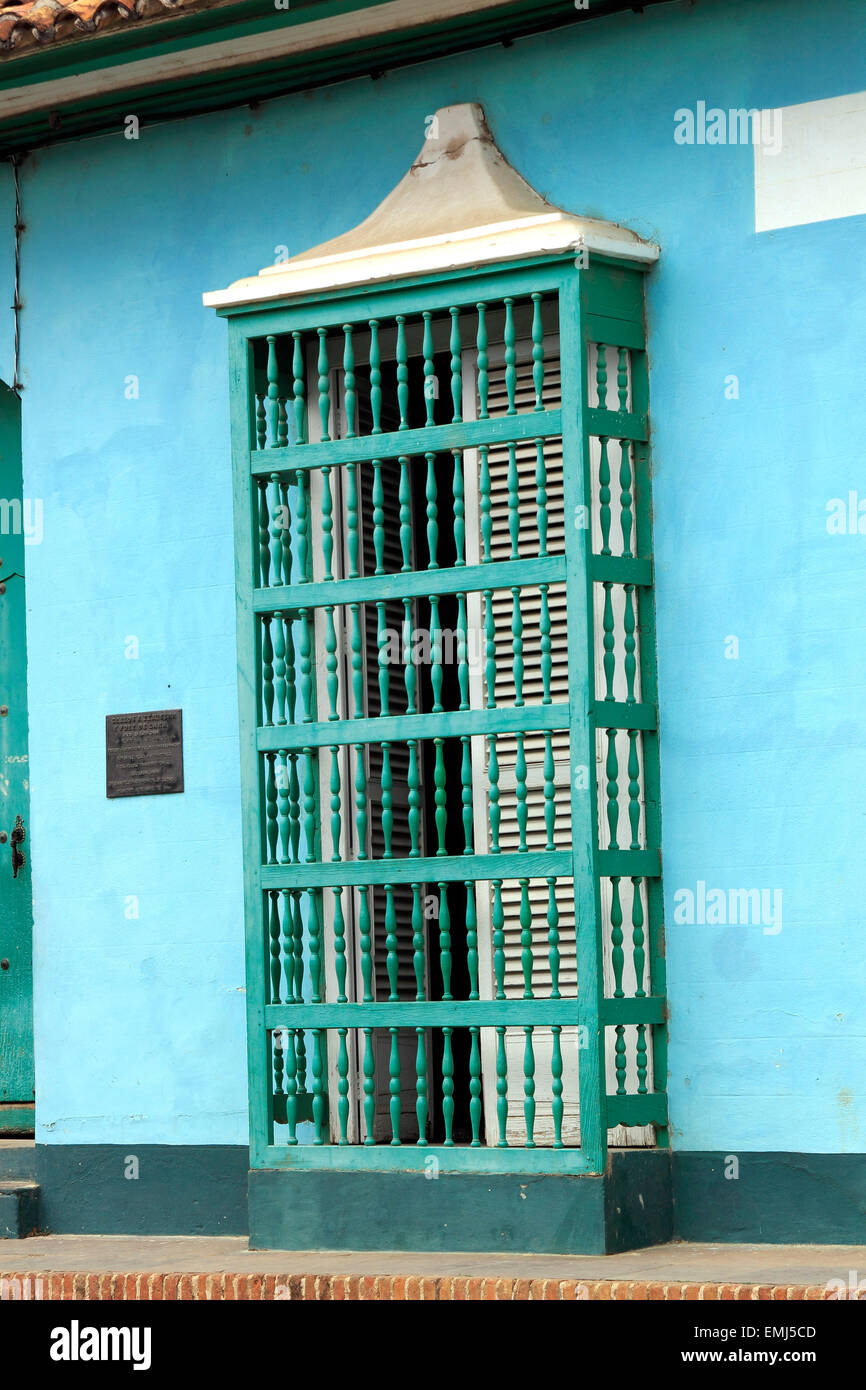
(16, 299)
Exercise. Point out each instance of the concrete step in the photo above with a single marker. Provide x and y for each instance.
(17, 1159)
(19, 1208)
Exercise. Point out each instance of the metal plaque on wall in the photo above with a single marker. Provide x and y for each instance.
(144, 753)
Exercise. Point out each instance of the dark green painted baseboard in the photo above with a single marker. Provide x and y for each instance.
(776, 1198)
(181, 1189)
(353, 1210)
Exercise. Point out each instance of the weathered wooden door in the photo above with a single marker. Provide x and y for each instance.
(16, 908)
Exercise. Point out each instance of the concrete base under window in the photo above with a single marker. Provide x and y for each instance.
(627, 1207)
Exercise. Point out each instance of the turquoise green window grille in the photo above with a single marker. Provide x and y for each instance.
(449, 723)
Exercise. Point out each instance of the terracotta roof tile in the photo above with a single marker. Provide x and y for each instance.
(28, 23)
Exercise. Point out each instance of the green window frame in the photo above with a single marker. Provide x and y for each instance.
(295, 1016)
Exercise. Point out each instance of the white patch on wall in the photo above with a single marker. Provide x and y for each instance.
(820, 171)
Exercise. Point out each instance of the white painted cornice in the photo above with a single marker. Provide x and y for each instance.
(461, 204)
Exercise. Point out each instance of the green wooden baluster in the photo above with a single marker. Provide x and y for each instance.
(445, 941)
(513, 484)
(612, 770)
(529, 1088)
(501, 1088)
(549, 792)
(537, 352)
(432, 513)
(510, 357)
(375, 378)
(352, 537)
(517, 645)
(466, 793)
(298, 947)
(299, 390)
(283, 821)
(294, 808)
(361, 821)
(448, 1086)
(482, 361)
(282, 422)
(331, 661)
(324, 384)
(601, 376)
(520, 772)
(404, 496)
(340, 963)
(402, 373)
(277, 1044)
(366, 939)
(349, 387)
(418, 960)
(498, 923)
(625, 497)
(276, 531)
(459, 510)
(302, 1063)
(291, 688)
(440, 796)
(471, 939)
(315, 946)
(608, 660)
(633, 789)
(319, 1107)
(421, 1104)
(336, 802)
(526, 938)
(556, 1073)
(382, 657)
(378, 516)
(410, 673)
(456, 367)
(267, 671)
(493, 793)
(387, 801)
(629, 627)
(302, 523)
(391, 957)
(413, 781)
(475, 1086)
(264, 536)
(327, 523)
(639, 958)
(280, 687)
(261, 423)
(546, 646)
(490, 649)
(429, 369)
(291, 1086)
(553, 938)
(285, 532)
(436, 671)
(541, 496)
(356, 646)
(394, 1086)
(617, 961)
(484, 505)
(369, 1086)
(273, 390)
(274, 944)
(604, 496)
(286, 948)
(306, 672)
(462, 651)
(343, 1086)
(622, 378)
(271, 807)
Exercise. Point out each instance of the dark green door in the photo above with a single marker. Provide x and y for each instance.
(16, 908)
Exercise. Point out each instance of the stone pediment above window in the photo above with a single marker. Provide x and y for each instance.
(461, 204)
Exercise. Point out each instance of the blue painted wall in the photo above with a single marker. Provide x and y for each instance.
(140, 1029)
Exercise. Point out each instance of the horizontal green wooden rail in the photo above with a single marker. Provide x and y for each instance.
(415, 1158)
(616, 424)
(499, 429)
(621, 569)
(449, 869)
(651, 1109)
(648, 1009)
(390, 728)
(629, 863)
(616, 714)
(451, 1013)
(457, 579)
(599, 328)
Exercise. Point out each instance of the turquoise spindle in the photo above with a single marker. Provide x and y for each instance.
(513, 485)
(319, 1102)
(466, 793)
(404, 497)
(432, 513)
(456, 367)
(448, 1087)
(604, 496)
(324, 384)
(475, 1086)
(267, 672)
(462, 651)
(629, 643)
(553, 937)
(414, 787)
(537, 352)
(366, 940)
(501, 1088)
(517, 645)
(429, 369)
(445, 940)
(418, 958)
(541, 496)
(261, 423)
(369, 1087)
(382, 653)
(356, 646)
(510, 357)
(440, 796)
(437, 674)
(459, 510)
(378, 517)
(392, 960)
(349, 388)
(633, 789)
(612, 771)
(361, 805)
(639, 959)
(340, 962)
(387, 801)
(352, 536)
(546, 645)
(402, 373)
(282, 422)
(529, 1088)
(601, 376)
(622, 378)
(343, 1086)
(485, 506)
(264, 536)
(471, 939)
(273, 391)
(556, 1073)
(482, 361)
(298, 390)
(410, 673)
(526, 938)
(549, 792)
(306, 664)
(327, 522)
(421, 1104)
(608, 660)
(271, 830)
(490, 649)
(375, 378)
(625, 496)
(291, 1086)
(302, 524)
(498, 924)
(336, 803)
(394, 1086)
(493, 793)
(283, 810)
(331, 661)
(274, 943)
(617, 960)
